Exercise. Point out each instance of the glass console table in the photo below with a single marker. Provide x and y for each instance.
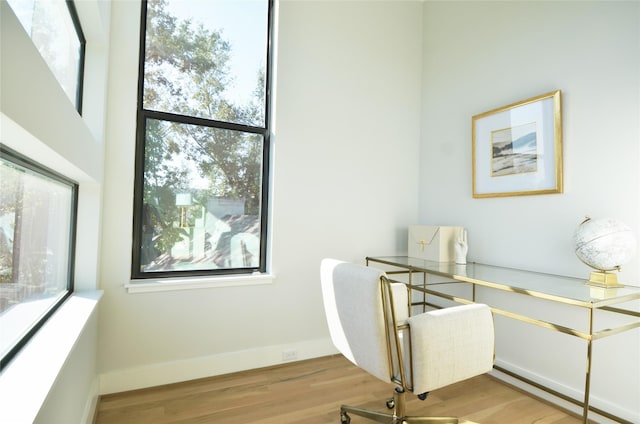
(567, 290)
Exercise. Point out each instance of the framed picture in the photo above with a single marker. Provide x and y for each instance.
(517, 149)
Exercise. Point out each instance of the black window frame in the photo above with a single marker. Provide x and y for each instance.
(76, 24)
(138, 196)
(33, 166)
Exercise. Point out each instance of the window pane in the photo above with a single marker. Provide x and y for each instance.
(201, 198)
(51, 28)
(207, 59)
(36, 218)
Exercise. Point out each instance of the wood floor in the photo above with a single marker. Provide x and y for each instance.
(311, 392)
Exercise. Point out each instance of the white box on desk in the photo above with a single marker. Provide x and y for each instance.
(433, 242)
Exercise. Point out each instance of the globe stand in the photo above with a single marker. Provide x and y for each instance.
(603, 279)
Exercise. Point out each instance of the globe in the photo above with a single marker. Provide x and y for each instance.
(604, 244)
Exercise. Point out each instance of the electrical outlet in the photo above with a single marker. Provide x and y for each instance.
(289, 355)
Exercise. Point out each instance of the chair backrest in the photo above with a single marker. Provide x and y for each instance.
(353, 302)
(420, 353)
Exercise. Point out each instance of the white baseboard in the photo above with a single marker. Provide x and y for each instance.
(91, 403)
(575, 393)
(224, 363)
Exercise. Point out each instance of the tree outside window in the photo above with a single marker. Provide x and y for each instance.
(203, 138)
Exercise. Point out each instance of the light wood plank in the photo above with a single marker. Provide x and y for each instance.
(311, 392)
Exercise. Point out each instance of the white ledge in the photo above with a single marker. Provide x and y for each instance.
(194, 283)
(28, 378)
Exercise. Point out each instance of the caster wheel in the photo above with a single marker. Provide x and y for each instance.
(344, 418)
(391, 403)
(423, 396)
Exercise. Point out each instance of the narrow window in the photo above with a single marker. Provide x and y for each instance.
(55, 30)
(37, 236)
(203, 138)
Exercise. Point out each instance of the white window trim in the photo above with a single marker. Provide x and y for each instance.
(151, 285)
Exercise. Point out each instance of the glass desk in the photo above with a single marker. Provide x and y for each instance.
(567, 290)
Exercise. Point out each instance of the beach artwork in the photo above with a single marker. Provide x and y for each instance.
(514, 150)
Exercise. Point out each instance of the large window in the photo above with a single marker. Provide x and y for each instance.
(37, 228)
(55, 30)
(203, 138)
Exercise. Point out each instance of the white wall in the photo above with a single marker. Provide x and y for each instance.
(39, 121)
(344, 185)
(482, 55)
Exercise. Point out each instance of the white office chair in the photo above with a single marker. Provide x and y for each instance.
(370, 323)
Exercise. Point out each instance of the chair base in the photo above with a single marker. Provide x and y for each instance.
(397, 416)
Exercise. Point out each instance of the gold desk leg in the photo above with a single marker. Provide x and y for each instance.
(587, 383)
(424, 293)
(410, 294)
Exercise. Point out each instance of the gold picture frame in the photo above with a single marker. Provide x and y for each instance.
(517, 149)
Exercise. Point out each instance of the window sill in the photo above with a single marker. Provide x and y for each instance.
(26, 381)
(172, 284)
